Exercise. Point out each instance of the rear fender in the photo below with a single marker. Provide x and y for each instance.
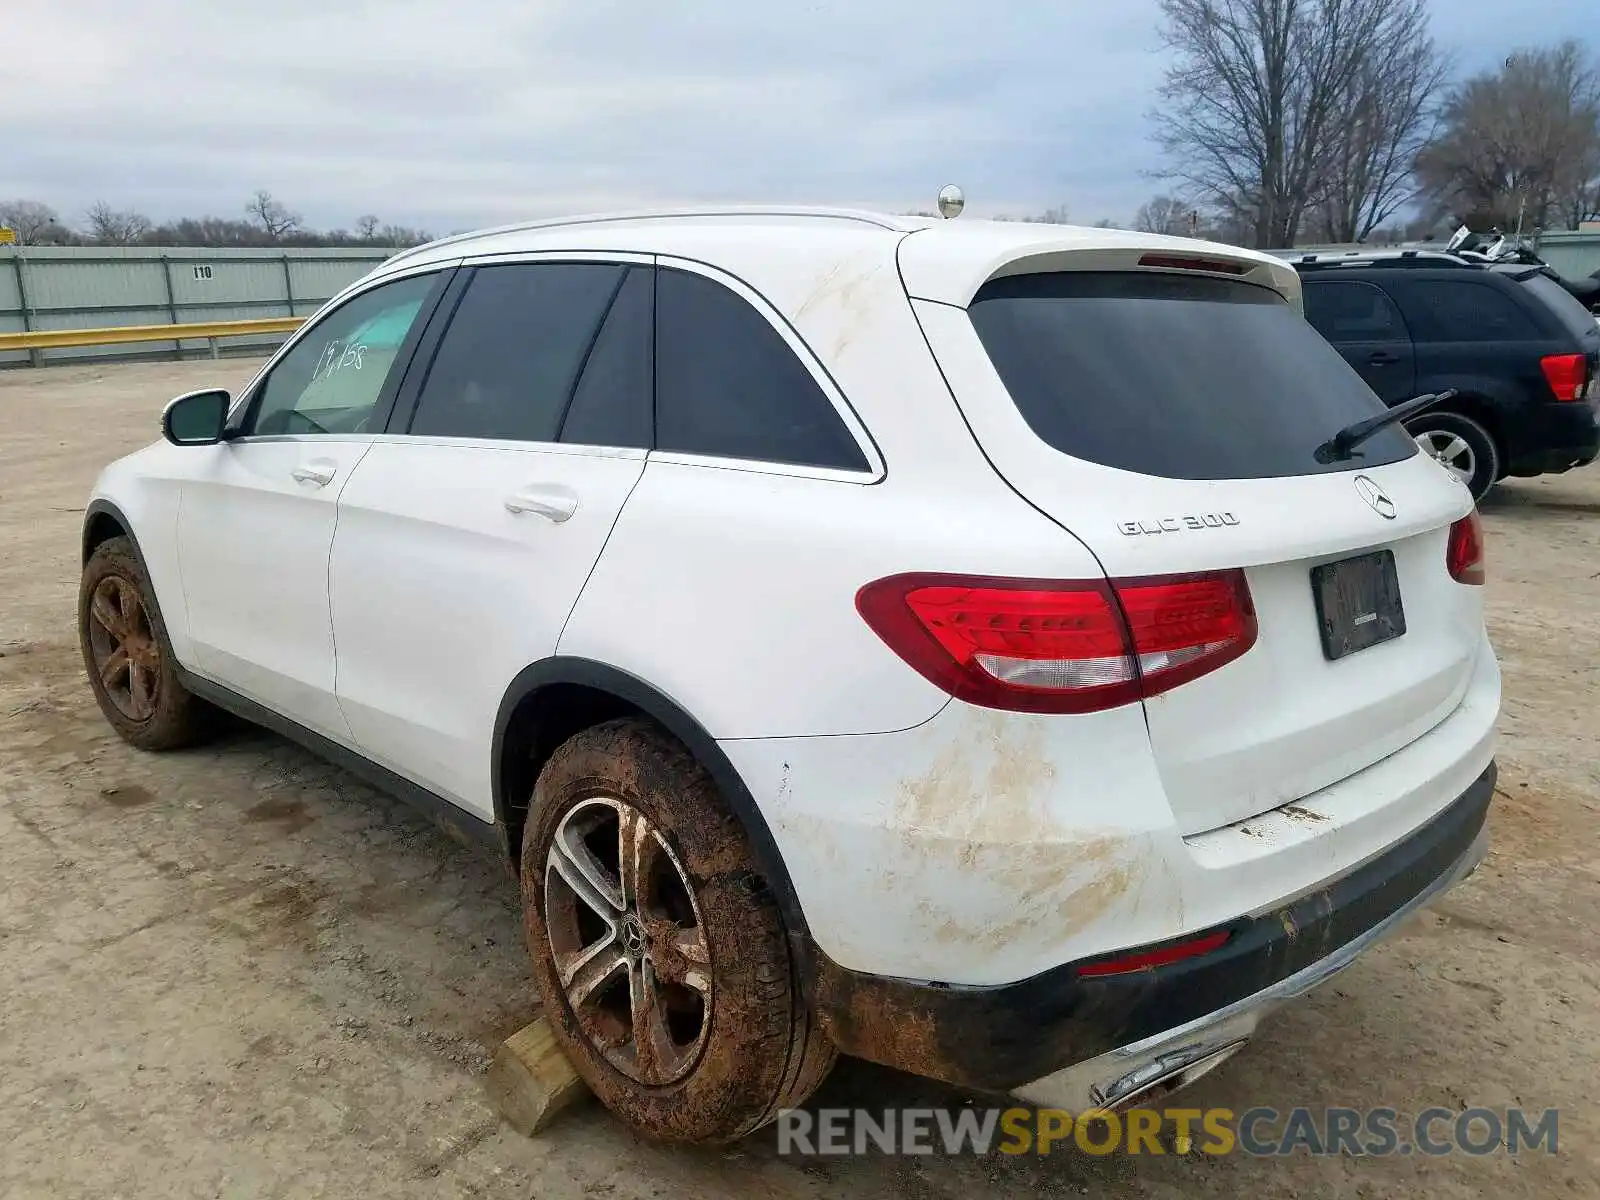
(671, 716)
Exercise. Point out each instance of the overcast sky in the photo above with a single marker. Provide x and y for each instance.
(455, 113)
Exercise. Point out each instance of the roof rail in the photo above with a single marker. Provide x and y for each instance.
(860, 216)
(1420, 259)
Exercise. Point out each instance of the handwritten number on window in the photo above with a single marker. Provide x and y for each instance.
(338, 355)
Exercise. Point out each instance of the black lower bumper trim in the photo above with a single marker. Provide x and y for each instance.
(999, 1038)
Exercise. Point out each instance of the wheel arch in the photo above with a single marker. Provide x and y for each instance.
(102, 521)
(554, 698)
(1477, 405)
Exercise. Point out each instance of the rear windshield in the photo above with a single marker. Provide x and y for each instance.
(1179, 376)
(1577, 319)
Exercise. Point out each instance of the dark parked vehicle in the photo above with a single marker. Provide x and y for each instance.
(1520, 353)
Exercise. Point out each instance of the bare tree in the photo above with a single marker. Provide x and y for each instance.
(1386, 235)
(1387, 115)
(32, 221)
(207, 231)
(1050, 216)
(402, 235)
(275, 220)
(1258, 92)
(1431, 225)
(1521, 144)
(115, 227)
(1580, 199)
(271, 224)
(1167, 214)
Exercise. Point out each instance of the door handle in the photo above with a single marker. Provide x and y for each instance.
(318, 472)
(553, 503)
(1382, 358)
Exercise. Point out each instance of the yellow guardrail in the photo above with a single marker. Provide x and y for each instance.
(49, 339)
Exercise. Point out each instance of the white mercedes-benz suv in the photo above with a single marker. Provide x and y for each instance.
(1017, 654)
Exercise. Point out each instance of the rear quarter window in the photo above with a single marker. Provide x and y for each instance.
(1464, 311)
(1183, 377)
(1574, 317)
(728, 386)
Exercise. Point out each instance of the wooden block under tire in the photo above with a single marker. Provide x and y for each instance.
(530, 1080)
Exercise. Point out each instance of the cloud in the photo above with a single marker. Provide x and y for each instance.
(455, 113)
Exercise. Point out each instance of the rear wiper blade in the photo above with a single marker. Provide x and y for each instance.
(1347, 439)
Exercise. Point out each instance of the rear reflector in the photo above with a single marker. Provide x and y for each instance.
(1138, 960)
(1175, 262)
(1567, 375)
(1464, 555)
(1061, 646)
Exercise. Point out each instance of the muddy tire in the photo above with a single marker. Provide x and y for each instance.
(664, 967)
(127, 655)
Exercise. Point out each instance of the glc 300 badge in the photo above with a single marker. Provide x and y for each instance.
(1216, 520)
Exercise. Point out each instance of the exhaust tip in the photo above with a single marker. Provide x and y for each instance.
(1161, 1077)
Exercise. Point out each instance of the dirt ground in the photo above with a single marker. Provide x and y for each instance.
(237, 972)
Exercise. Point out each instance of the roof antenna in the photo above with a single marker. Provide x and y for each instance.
(951, 201)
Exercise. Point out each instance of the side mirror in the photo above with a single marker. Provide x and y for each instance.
(196, 419)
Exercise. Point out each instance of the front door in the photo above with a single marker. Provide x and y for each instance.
(256, 520)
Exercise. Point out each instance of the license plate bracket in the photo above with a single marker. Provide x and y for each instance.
(1358, 603)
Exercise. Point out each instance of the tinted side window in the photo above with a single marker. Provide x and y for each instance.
(1574, 317)
(509, 361)
(1464, 311)
(1353, 312)
(615, 398)
(728, 385)
(330, 381)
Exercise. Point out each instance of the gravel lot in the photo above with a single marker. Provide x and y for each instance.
(238, 972)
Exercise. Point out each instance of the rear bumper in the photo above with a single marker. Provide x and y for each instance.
(1064, 1039)
(1557, 438)
(1122, 1077)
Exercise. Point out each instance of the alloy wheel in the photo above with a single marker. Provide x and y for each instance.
(1451, 451)
(123, 646)
(628, 941)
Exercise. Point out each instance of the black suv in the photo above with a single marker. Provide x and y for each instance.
(1521, 353)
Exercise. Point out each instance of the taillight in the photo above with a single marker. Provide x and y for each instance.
(1463, 555)
(1061, 646)
(1567, 374)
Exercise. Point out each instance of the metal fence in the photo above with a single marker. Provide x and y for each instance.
(76, 287)
(1575, 254)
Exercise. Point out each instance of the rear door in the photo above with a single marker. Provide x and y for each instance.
(1364, 325)
(1171, 420)
(468, 531)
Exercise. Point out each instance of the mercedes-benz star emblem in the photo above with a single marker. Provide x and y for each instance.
(1375, 498)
